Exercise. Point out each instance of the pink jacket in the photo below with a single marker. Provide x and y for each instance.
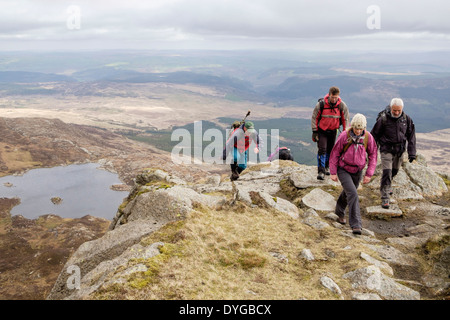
(354, 159)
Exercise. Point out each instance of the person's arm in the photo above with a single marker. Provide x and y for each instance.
(376, 131)
(411, 137)
(335, 154)
(258, 141)
(315, 123)
(372, 152)
(344, 116)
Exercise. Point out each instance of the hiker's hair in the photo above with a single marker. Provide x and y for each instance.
(236, 124)
(334, 91)
(396, 102)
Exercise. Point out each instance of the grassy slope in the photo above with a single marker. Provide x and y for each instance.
(240, 252)
(254, 252)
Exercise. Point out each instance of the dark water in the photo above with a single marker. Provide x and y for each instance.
(84, 190)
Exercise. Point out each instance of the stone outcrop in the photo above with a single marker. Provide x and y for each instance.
(371, 278)
(287, 188)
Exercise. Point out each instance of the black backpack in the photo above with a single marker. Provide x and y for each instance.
(285, 154)
(322, 105)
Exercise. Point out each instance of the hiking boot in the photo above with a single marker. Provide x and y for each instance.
(234, 172)
(356, 230)
(327, 171)
(390, 191)
(385, 203)
(341, 220)
(321, 176)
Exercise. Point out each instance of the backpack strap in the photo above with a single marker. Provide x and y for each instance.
(322, 103)
(349, 141)
(383, 117)
(366, 140)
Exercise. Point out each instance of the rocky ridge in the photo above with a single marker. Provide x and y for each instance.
(402, 254)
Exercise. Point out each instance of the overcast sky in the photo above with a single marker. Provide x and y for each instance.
(225, 24)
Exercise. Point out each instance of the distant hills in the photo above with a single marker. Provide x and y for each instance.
(367, 82)
(29, 77)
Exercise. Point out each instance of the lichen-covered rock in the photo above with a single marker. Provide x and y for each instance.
(430, 183)
(371, 278)
(167, 204)
(319, 200)
(92, 253)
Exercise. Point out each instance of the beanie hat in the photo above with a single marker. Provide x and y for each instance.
(358, 121)
(250, 127)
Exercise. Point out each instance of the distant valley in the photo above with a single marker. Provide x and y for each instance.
(146, 95)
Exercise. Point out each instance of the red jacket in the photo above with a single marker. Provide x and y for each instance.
(330, 118)
(238, 139)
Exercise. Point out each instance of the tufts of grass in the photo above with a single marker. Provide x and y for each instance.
(229, 254)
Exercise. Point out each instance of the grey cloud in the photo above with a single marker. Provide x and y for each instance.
(205, 20)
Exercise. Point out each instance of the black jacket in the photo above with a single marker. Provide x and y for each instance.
(391, 134)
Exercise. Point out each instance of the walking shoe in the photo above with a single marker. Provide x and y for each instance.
(234, 172)
(327, 171)
(341, 220)
(321, 176)
(385, 203)
(356, 230)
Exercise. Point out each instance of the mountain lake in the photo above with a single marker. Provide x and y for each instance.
(71, 191)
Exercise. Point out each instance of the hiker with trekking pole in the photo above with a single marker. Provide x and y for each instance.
(347, 161)
(239, 141)
(328, 115)
(392, 131)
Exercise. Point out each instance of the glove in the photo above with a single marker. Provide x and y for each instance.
(315, 136)
(411, 158)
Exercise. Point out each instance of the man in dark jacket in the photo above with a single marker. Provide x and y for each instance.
(392, 131)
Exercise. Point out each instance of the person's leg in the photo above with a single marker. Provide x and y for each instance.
(353, 206)
(350, 184)
(396, 164)
(243, 163)
(386, 178)
(331, 140)
(321, 154)
(341, 203)
(235, 164)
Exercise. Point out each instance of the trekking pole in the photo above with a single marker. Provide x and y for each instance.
(248, 113)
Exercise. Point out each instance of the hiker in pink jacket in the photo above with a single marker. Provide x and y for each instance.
(347, 161)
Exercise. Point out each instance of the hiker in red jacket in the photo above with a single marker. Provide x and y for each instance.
(328, 115)
(238, 144)
(347, 161)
